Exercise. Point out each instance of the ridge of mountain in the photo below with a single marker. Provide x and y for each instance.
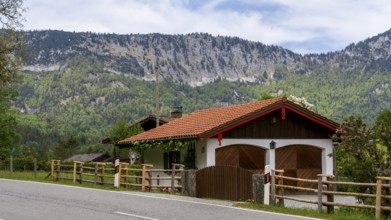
(196, 58)
(79, 84)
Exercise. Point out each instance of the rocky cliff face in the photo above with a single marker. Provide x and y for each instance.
(198, 58)
(194, 58)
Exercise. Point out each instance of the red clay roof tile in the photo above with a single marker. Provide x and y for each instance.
(199, 123)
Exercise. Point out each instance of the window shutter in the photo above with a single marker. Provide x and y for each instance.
(166, 160)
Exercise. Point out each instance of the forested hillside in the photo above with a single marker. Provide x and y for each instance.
(79, 84)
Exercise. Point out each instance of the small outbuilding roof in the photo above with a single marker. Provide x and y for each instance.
(92, 157)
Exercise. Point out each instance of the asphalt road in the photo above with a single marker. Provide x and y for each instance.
(32, 200)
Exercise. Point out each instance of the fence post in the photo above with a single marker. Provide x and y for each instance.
(52, 174)
(281, 190)
(102, 178)
(56, 167)
(378, 198)
(172, 178)
(330, 197)
(81, 172)
(388, 193)
(148, 168)
(74, 171)
(266, 185)
(181, 171)
(58, 170)
(35, 168)
(320, 188)
(96, 173)
(273, 188)
(143, 178)
(126, 179)
(11, 165)
(119, 175)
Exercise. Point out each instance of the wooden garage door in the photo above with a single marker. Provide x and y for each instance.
(244, 156)
(299, 161)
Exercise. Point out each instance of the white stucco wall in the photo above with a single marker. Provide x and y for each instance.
(324, 144)
(200, 154)
(155, 157)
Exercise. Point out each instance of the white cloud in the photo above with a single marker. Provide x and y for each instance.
(302, 25)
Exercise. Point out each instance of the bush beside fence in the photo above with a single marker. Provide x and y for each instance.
(24, 164)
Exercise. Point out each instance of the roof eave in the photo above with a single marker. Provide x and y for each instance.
(176, 138)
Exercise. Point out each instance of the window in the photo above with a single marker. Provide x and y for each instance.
(190, 157)
(170, 158)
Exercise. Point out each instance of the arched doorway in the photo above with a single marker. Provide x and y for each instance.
(300, 161)
(244, 156)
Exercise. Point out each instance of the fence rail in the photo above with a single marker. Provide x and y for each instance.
(326, 187)
(128, 177)
(143, 177)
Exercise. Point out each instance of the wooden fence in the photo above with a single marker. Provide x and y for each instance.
(99, 173)
(144, 179)
(326, 186)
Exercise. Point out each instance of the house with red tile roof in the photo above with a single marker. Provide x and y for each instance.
(277, 132)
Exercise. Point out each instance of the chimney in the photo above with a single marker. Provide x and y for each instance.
(177, 112)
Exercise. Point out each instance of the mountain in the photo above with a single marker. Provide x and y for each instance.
(194, 58)
(78, 84)
(197, 58)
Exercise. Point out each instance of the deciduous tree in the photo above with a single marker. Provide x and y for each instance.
(10, 61)
(364, 153)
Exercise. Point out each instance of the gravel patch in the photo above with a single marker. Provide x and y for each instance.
(295, 204)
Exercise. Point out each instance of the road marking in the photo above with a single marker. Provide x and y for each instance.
(137, 216)
(162, 198)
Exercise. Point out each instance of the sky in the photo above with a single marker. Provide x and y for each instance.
(303, 26)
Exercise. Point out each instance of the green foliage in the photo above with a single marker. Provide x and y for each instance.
(362, 154)
(84, 100)
(383, 128)
(7, 131)
(10, 61)
(65, 149)
(174, 145)
(171, 145)
(266, 96)
(119, 131)
(25, 164)
(135, 129)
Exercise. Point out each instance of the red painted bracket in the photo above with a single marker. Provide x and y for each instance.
(219, 138)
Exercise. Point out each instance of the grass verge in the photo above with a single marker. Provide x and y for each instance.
(339, 213)
(29, 176)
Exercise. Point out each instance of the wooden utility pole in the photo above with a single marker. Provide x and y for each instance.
(157, 95)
